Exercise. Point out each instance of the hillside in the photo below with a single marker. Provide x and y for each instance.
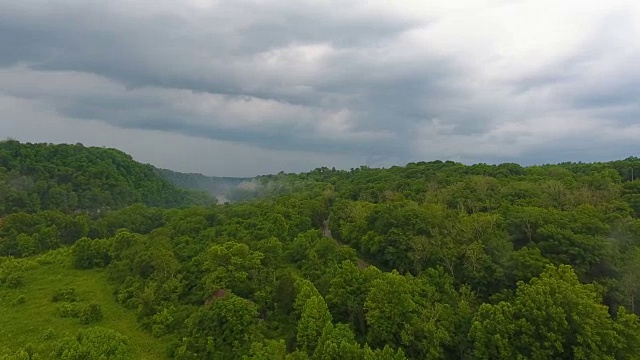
(36, 177)
(41, 319)
(234, 189)
(432, 260)
(222, 188)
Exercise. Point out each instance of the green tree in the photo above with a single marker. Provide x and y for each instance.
(348, 293)
(553, 316)
(232, 266)
(305, 290)
(27, 245)
(315, 316)
(389, 307)
(630, 279)
(337, 343)
(88, 253)
(267, 350)
(628, 328)
(225, 329)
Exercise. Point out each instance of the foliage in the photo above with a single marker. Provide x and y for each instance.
(67, 294)
(90, 314)
(11, 272)
(37, 322)
(72, 177)
(89, 253)
(67, 310)
(536, 322)
(314, 318)
(25, 353)
(433, 260)
(224, 329)
(94, 343)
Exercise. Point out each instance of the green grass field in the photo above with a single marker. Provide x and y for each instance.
(27, 323)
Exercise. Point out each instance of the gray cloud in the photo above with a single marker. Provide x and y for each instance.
(528, 81)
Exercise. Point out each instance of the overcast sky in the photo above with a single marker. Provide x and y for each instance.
(246, 87)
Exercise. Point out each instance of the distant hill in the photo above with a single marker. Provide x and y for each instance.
(235, 189)
(35, 177)
(223, 188)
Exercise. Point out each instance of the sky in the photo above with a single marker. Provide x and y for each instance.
(247, 87)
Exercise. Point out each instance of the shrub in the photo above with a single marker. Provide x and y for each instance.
(26, 353)
(11, 272)
(94, 343)
(90, 314)
(67, 310)
(49, 334)
(57, 256)
(162, 322)
(65, 294)
(14, 280)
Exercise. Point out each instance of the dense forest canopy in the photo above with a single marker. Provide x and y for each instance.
(36, 177)
(432, 260)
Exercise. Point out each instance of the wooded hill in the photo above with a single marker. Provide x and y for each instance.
(36, 177)
(434, 260)
(224, 189)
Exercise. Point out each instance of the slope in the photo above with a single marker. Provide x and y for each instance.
(220, 187)
(36, 322)
(36, 177)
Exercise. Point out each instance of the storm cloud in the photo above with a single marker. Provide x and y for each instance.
(246, 87)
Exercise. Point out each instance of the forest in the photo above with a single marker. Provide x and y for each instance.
(102, 257)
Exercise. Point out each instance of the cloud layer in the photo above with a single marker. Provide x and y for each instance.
(249, 86)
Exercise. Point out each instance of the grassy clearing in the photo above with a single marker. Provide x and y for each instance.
(22, 324)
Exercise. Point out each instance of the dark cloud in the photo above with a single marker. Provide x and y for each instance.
(378, 81)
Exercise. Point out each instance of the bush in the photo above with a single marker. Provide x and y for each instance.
(94, 343)
(13, 280)
(162, 322)
(19, 300)
(57, 256)
(65, 294)
(49, 334)
(11, 272)
(90, 314)
(26, 353)
(67, 310)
